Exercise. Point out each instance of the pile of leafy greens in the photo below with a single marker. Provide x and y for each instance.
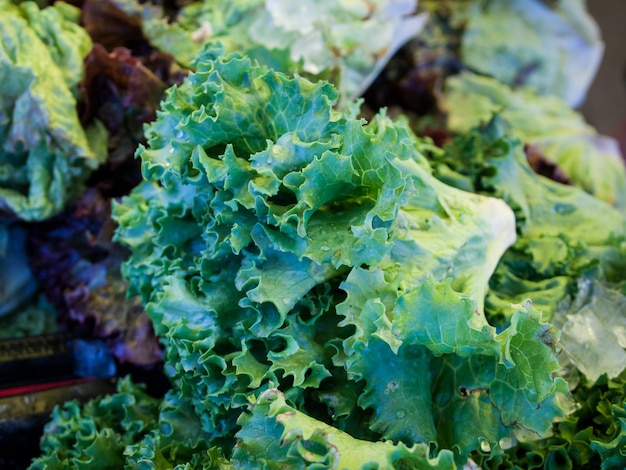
(587, 159)
(73, 114)
(46, 153)
(345, 42)
(568, 260)
(307, 271)
(329, 291)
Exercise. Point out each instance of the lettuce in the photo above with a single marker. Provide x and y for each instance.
(569, 260)
(591, 161)
(592, 436)
(77, 266)
(293, 438)
(336, 293)
(45, 153)
(564, 232)
(593, 329)
(280, 244)
(94, 435)
(346, 42)
(553, 48)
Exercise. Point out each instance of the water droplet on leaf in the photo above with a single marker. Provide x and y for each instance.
(563, 209)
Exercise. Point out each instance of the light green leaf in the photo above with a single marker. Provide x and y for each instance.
(554, 48)
(592, 162)
(45, 153)
(276, 435)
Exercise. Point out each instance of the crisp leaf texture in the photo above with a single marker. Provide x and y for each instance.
(279, 243)
(563, 231)
(275, 434)
(591, 161)
(336, 293)
(569, 259)
(128, 429)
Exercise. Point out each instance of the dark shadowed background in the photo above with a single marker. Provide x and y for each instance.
(605, 107)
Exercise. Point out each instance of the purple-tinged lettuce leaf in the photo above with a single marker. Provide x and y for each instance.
(111, 26)
(78, 268)
(123, 91)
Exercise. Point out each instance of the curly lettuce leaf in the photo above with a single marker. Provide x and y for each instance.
(95, 435)
(45, 153)
(592, 436)
(563, 231)
(275, 434)
(277, 243)
(590, 161)
(128, 429)
(467, 370)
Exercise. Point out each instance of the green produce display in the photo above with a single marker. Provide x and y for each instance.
(353, 235)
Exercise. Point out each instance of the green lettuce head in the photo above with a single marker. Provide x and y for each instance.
(293, 257)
